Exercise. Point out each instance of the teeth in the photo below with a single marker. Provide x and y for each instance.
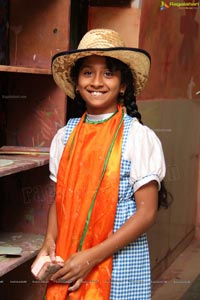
(96, 93)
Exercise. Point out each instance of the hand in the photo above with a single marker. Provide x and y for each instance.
(47, 270)
(48, 248)
(76, 268)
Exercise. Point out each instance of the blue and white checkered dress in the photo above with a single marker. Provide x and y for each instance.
(131, 278)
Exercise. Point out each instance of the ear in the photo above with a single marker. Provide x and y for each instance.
(123, 87)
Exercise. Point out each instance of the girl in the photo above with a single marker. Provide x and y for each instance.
(108, 168)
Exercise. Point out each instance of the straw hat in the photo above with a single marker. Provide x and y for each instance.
(103, 42)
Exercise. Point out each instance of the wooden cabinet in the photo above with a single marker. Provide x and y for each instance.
(32, 108)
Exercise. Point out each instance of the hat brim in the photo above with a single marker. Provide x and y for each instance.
(138, 61)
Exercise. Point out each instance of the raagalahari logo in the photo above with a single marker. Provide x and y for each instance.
(183, 5)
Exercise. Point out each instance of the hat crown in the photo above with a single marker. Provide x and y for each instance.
(101, 38)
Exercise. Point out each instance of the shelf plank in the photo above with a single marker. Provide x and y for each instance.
(30, 244)
(19, 163)
(23, 150)
(19, 69)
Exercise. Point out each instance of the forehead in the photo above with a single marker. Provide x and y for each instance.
(94, 60)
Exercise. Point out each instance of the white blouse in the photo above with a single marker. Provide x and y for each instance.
(143, 149)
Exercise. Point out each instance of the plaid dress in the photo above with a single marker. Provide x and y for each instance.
(131, 279)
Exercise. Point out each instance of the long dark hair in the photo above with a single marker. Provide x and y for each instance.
(128, 100)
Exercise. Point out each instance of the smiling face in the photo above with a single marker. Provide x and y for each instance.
(99, 86)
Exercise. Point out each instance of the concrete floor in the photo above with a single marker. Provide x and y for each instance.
(178, 278)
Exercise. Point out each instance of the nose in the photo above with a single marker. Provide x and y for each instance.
(97, 80)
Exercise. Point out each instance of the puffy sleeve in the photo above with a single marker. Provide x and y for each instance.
(56, 150)
(145, 152)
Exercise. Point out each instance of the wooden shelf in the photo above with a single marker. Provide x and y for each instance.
(19, 163)
(18, 69)
(30, 244)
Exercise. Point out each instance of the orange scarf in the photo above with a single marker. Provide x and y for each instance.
(86, 199)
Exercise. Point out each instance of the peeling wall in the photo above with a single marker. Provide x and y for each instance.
(124, 20)
(172, 38)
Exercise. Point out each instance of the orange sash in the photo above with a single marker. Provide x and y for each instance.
(86, 199)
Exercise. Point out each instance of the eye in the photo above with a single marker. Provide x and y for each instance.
(108, 73)
(86, 72)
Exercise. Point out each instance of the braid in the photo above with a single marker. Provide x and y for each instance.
(165, 198)
(80, 104)
(132, 110)
(131, 106)
(129, 101)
